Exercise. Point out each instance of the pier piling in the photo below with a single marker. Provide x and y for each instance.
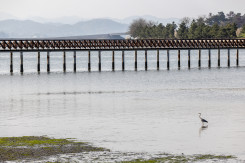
(135, 60)
(48, 62)
(21, 62)
(178, 59)
(146, 60)
(74, 61)
(89, 61)
(11, 62)
(237, 57)
(99, 64)
(113, 61)
(228, 58)
(38, 62)
(199, 58)
(209, 58)
(218, 57)
(64, 61)
(168, 59)
(189, 59)
(123, 66)
(158, 64)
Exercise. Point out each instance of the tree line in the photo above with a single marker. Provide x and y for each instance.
(218, 25)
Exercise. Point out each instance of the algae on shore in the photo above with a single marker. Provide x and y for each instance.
(182, 159)
(41, 147)
(33, 147)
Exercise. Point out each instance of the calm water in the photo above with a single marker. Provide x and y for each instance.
(153, 111)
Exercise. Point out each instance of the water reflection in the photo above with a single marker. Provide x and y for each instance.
(202, 129)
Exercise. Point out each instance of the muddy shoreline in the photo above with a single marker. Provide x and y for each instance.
(44, 149)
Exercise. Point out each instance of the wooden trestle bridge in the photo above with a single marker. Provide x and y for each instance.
(41, 45)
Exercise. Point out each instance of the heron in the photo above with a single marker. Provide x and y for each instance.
(202, 120)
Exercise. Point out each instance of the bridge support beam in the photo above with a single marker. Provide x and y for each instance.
(113, 61)
(199, 58)
(74, 61)
(21, 62)
(178, 59)
(146, 66)
(89, 62)
(158, 64)
(237, 57)
(218, 57)
(48, 62)
(135, 60)
(123, 66)
(228, 58)
(209, 58)
(11, 62)
(168, 65)
(38, 62)
(99, 57)
(189, 59)
(64, 61)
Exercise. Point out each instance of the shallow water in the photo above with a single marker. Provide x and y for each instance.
(145, 111)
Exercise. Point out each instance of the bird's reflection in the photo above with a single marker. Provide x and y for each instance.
(202, 128)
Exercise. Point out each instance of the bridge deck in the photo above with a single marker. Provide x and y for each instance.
(103, 45)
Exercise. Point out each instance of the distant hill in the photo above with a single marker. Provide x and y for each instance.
(164, 21)
(93, 37)
(43, 28)
(127, 20)
(76, 19)
(100, 26)
(28, 28)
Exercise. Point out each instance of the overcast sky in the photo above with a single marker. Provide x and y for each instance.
(117, 8)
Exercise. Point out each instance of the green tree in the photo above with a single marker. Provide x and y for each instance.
(242, 34)
(222, 33)
(207, 30)
(160, 28)
(192, 30)
(183, 31)
(243, 29)
(218, 18)
(136, 26)
(216, 26)
(154, 31)
(200, 31)
(170, 30)
(214, 31)
(164, 32)
(231, 30)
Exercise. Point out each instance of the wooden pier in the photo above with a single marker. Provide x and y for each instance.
(39, 45)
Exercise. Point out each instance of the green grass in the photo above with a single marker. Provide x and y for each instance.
(169, 159)
(32, 141)
(207, 157)
(14, 148)
(181, 159)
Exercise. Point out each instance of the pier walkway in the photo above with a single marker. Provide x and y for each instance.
(52, 45)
